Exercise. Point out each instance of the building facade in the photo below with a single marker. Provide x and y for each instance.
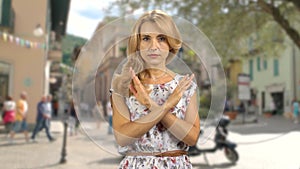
(275, 78)
(30, 34)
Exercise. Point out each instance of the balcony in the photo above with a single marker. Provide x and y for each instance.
(55, 51)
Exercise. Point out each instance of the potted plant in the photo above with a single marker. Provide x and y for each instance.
(267, 113)
(229, 109)
(231, 114)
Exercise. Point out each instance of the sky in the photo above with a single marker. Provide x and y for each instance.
(85, 15)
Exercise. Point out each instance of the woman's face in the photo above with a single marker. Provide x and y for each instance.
(154, 47)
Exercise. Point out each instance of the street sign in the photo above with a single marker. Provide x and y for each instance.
(244, 87)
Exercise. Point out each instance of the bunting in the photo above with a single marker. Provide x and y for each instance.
(6, 37)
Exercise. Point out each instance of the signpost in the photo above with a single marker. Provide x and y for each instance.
(244, 93)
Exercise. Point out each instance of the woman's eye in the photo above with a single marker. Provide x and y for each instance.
(162, 39)
(146, 38)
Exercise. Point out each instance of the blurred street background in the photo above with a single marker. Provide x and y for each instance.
(258, 42)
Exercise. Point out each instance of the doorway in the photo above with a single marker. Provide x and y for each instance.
(278, 98)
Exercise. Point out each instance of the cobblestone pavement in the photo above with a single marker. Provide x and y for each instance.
(268, 144)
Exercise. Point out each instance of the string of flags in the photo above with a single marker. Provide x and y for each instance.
(6, 37)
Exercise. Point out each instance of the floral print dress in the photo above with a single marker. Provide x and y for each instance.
(158, 138)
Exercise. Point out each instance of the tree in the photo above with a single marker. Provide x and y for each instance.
(234, 26)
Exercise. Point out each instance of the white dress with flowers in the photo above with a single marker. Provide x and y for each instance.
(158, 138)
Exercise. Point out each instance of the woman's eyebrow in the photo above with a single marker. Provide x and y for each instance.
(161, 35)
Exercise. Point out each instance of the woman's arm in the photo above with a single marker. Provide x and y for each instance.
(127, 131)
(188, 129)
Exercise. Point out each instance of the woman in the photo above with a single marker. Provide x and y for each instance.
(9, 108)
(155, 111)
(74, 118)
(295, 109)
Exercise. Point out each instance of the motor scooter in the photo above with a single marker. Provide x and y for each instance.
(221, 142)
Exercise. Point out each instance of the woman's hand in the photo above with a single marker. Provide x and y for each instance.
(174, 98)
(139, 91)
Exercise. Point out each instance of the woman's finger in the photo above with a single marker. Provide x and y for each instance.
(132, 89)
(186, 82)
(132, 72)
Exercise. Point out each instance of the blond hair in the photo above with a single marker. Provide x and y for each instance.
(167, 26)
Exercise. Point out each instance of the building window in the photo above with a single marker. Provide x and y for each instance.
(250, 44)
(1, 2)
(265, 64)
(5, 69)
(276, 67)
(258, 63)
(251, 69)
(6, 16)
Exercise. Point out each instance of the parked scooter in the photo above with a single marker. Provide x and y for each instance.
(221, 142)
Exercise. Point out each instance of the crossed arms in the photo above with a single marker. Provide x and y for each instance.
(127, 131)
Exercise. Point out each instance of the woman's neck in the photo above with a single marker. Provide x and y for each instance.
(156, 73)
(157, 76)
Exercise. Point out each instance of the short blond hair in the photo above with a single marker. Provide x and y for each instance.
(167, 26)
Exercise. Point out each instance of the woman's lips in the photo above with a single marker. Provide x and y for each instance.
(153, 55)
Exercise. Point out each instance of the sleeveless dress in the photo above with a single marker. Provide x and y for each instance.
(158, 138)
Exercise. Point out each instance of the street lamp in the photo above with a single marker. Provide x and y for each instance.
(64, 150)
(38, 31)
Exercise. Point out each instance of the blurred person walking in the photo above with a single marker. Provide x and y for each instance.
(272, 107)
(98, 113)
(109, 113)
(39, 117)
(20, 124)
(43, 118)
(74, 120)
(295, 110)
(55, 107)
(9, 113)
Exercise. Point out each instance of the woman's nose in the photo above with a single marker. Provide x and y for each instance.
(154, 45)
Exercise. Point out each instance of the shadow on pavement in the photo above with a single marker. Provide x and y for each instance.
(14, 144)
(207, 166)
(111, 160)
(275, 124)
(56, 165)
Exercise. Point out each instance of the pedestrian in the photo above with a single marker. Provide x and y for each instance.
(109, 114)
(55, 107)
(1, 102)
(295, 110)
(272, 106)
(66, 107)
(20, 119)
(43, 118)
(9, 113)
(155, 111)
(39, 117)
(98, 113)
(74, 118)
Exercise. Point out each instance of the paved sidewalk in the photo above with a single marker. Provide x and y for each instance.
(82, 153)
(273, 124)
(99, 150)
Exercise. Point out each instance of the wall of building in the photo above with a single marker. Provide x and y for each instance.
(27, 73)
(28, 64)
(265, 81)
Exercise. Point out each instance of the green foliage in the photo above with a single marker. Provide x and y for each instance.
(204, 105)
(205, 101)
(203, 112)
(69, 42)
(230, 23)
